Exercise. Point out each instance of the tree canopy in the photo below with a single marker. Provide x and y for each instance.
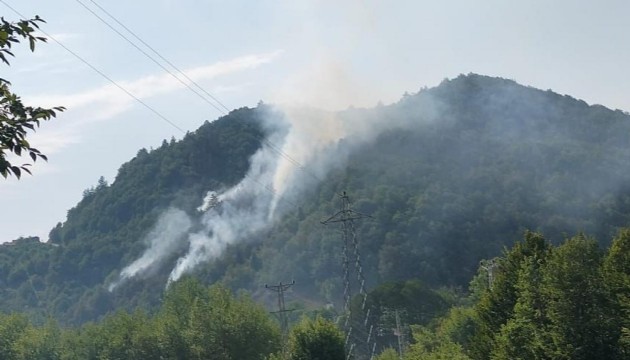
(194, 322)
(546, 302)
(482, 160)
(17, 119)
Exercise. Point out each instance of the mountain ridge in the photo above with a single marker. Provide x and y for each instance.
(489, 159)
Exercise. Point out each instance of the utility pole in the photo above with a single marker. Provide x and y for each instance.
(282, 311)
(352, 265)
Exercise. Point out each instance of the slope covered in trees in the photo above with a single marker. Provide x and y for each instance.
(483, 160)
(537, 301)
(194, 322)
(104, 231)
(542, 302)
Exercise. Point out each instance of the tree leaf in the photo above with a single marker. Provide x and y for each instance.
(16, 170)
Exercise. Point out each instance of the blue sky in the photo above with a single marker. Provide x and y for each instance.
(330, 54)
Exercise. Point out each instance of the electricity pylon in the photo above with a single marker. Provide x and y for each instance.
(282, 311)
(362, 332)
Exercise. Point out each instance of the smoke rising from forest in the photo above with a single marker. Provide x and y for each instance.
(479, 127)
(162, 241)
(301, 147)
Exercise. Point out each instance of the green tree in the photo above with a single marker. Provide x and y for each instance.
(317, 339)
(388, 354)
(16, 119)
(617, 275)
(429, 346)
(524, 336)
(210, 323)
(12, 327)
(496, 305)
(40, 343)
(124, 336)
(578, 303)
(460, 326)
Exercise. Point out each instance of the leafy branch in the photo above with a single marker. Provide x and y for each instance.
(16, 119)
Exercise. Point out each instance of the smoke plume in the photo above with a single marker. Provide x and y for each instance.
(300, 150)
(163, 240)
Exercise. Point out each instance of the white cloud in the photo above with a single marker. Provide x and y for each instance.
(50, 141)
(114, 98)
(107, 101)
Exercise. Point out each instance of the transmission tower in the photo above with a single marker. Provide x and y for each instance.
(490, 266)
(361, 333)
(282, 311)
(400, 335)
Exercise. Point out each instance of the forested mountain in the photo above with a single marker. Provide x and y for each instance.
(478, 161)
(536, 301)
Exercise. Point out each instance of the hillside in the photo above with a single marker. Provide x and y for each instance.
(450, 175)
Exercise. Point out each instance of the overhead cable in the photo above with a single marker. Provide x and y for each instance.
(160, 55)
(95, 69)
(221, 110)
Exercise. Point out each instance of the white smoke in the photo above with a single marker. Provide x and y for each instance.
(302, 146)
(228, 216)
(171, 228)
(300, 150)
(235, 214)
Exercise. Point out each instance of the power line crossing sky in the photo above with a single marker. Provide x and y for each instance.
(325, 53)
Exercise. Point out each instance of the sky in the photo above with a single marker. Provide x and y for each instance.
(328, 54)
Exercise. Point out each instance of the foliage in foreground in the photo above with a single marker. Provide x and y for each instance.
(16, 119)
(542, 302)
(316, 339)
(194, 322)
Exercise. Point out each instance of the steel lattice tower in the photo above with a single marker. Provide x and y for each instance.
(282, 311)
(361, 333)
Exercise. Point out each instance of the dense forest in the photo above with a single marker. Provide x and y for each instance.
(479, 161)
(535, 301)
(541, 301)
(194, 322)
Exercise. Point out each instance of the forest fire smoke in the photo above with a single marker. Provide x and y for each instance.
(275, 180)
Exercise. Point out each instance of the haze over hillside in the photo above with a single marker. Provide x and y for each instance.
(450, 175)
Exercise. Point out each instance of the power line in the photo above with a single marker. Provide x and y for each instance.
(95, 69)
(152, 58)
(150, 108)
(282, 311)
(351, 263)
(160, 55)
(262, 139)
